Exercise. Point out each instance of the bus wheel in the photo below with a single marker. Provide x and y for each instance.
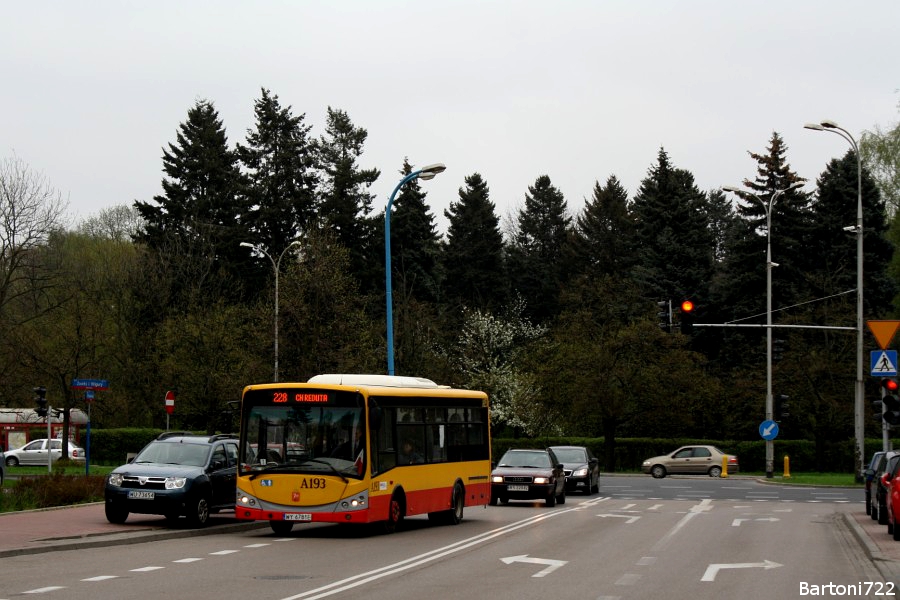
(395, 514)
(458, 500)
(455, 514)
(281, 527)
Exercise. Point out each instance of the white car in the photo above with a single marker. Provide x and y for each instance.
(35, 453)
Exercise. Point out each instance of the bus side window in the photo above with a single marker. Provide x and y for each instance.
(437, 443)
(384, 446)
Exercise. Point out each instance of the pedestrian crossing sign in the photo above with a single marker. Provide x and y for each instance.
(884, 363)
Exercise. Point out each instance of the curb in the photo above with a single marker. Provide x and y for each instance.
(99, 540)
(888, 567)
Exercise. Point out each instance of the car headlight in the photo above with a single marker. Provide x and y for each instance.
(496, 479)
(175, 483)
(646, 463)
(580, 472)
(115, 479)
(542, 480)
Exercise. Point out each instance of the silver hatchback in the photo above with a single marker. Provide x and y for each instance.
(691, 460)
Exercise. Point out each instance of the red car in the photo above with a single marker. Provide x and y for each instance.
(891, 482)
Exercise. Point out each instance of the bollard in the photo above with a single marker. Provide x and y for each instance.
(724, 466)
(787, 467)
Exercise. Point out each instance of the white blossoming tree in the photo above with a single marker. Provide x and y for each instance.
(489, 352)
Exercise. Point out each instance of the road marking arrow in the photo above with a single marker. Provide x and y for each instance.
(713, 570)
(630, 518)
(737, 522)
(552, 565)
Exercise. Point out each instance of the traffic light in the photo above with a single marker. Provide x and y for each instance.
(687, 317)
(664, 315)
(777, 349)
(890, 401)
(40, 400)
(877, 410)
(782, 408)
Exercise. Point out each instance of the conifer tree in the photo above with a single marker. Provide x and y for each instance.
(536, 255)
(603, 236)
(196, 225)
(832, 253)
(672, 235)
(345, 199)
(790, 220)
(473, 254)
(280, 159)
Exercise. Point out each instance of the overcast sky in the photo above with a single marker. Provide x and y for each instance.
(577, 90)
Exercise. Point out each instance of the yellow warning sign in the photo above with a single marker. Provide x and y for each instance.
(883, 331)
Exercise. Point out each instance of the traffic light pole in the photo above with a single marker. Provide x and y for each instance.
(49, 442)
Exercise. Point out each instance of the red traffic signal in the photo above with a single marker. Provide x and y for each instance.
(687, 317)
(890, 401)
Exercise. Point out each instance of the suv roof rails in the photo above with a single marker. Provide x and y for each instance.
(168, 434)
(222, 436)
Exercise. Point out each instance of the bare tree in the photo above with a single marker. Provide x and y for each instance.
(30, 209)
(120, 223)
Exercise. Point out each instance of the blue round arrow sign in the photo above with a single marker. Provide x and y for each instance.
(768, 429)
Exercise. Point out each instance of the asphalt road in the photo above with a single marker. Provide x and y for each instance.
(639, 538)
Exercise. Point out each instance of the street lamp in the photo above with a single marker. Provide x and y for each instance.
(424, 173)
(832, 127)
(276, 264)
(767, 207)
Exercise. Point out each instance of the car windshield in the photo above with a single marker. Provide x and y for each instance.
(571, 455)
(534, 459)
(174, 453)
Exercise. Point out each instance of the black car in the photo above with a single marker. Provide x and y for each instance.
(886, 464)
(869, 477)
(177, 474)
(528, 475)
(581, 467)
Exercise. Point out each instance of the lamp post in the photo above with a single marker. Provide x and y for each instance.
(424, 173)
(858, 406)
(276, 265)
(767, 207)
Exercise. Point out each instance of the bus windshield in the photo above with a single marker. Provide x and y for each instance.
(304, 439)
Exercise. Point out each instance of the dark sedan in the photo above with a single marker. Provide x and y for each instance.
(528, 475)
(581, 467)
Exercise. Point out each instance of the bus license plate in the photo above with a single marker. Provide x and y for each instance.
(516, 488)
(137, 494)
(297, 516)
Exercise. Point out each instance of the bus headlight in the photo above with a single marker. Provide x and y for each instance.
(245, 500)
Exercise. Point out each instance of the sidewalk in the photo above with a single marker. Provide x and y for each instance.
(85, 526)
(879, 545)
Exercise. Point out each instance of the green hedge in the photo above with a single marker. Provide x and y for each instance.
(112, 446)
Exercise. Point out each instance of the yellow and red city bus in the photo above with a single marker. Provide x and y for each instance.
(361, 449)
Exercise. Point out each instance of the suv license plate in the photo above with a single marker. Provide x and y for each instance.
(297, 516)
(141, 495)
(517, 488)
